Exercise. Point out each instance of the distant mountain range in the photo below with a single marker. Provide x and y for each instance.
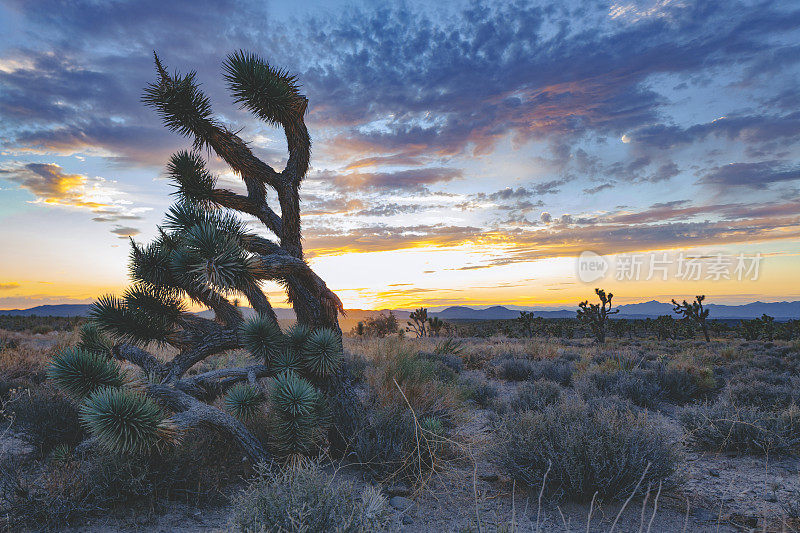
(651, 309)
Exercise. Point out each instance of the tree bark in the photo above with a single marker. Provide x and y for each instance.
(192, 413)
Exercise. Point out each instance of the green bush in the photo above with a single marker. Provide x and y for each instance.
(588, 448)
(305, 499)
(743, 429)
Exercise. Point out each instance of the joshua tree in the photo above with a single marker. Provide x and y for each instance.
(768, 326)
(525, 320)
(596, 315)
(417, 324)
(664, 327)
(359, 329)
(695, 312)
(435, 325)
(206, 254)
(750, 330)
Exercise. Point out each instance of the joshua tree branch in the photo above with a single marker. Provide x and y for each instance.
(209, 385)
(192, 413)
(205, 346)
(144, 360)
(246, 204)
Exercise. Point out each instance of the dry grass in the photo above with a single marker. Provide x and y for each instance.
(396, 360)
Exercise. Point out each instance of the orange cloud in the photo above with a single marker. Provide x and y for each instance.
(52, 186)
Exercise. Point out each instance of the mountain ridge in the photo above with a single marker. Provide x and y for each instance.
(784, 310)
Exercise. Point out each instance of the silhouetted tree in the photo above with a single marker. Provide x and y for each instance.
(417, 324)
(694, 312)
(596, 315)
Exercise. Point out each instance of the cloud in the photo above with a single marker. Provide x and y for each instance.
(752, 129)
(401, 180)
(52, 186)
(125, 232)
(754, 175)
(9, 286)
(599, 188)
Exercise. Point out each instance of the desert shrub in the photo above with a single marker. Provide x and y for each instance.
(449, 346)
(427, 384)
(639, 386)
(600, 448)
(764, 393)
(534, 395)
(474, 360)
(381, 325)
(75, 488)
(558, 370)
(306, 499)
(514, 369)
(23, 363)
(390, 445)
(356, 365)
(686, 383)
(45, 417)
(725, 427)
(480, 391)
(448, 364)
(6, 387)
(8, 343)
(41, 329)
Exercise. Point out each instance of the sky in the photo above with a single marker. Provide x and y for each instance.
(464, 153)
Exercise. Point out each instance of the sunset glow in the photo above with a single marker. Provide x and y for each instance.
(463, 155)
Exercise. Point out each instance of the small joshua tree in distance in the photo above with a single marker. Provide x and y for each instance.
(695, 312)
(418, 322)
(435, 325)
(525, 320)
(596, 315)
(768, 326)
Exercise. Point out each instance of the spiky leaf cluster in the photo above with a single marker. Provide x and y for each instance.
(322, 352)
(79, 372)
(296, 408)
(263, 338)
(287, 360)
(270, 93)
(297, 335)
(210, 257)
(151, 264)
(144, 314)
(180, 103)
(93, 340)
(193, 181)
(243, 401)
(198, 251)
(183, 216)
(125, 421)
